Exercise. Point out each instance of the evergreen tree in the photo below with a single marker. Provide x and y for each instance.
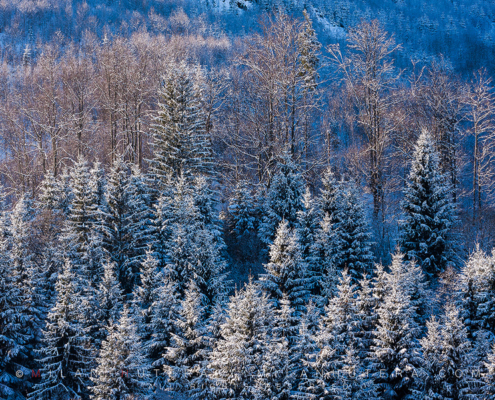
(286, 272)
(322, 267)
(67, 354)
(237, 357)
(307, 225)
(122, 367)
(109, 299)
(336, 333)
(354, 237)
(352, 379)
(395, 356)
(489, 378)
(13, 338)
(181, 146)
(426, 232)
(284, 199)
(308, 47)
(50, 196)
(140, 216)
(448, 358)
(188, 343)
(242, 208)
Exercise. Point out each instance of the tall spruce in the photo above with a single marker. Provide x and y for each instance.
(122, 367)
(181, 146)
(426, 232)
(286, 273)
(284, 199)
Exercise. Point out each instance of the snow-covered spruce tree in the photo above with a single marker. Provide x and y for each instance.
(109, 300)
(286, 272)
(67, 354)
(122, 367)
(426, 232)
(25, 275)
(367, 317)
(395, 357)
(140, 217)
(307, 225)
(66, 195)
(284, 199)
(79, 227)
(242, 209)
(329, 198)
(304, 353)
(188, 343)
(13, 352)
(447, 355)
(237, 358)
(489, 378)
(321, 267)
(353, 380)
(205, 201)
(180, 144)
(354, 236)
(194, 253)
(164, 310)
(410, 277)
(336, 333)
(145, 294)
(50, 196)
(476, 291)
(309, 52)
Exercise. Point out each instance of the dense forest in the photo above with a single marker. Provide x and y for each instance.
(238, 200)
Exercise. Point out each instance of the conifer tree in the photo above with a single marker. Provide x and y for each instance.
(109, 299)
(336, 333)
(308, 47)
(67, 354)
(395, 359)
(122, 367)
(237, 357)
(181, 146)
(242, 208)
(188, 343)
(50, 196)
(307, 225)
(286, 271)
(489, 378)
(284, 199)
(447, 357)
(426, 232)
(354, 237)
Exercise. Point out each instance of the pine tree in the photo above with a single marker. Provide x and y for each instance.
(237, 357)
(180, 144)
(426, 232)
(286, 272)
(188, 343)
(447, 357)
(284, 199)
(329, 198)
(122, 367)
(67, 354)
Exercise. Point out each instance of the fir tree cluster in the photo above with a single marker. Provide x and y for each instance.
(115, 284)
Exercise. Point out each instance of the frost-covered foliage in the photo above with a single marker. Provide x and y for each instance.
(430, 213)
